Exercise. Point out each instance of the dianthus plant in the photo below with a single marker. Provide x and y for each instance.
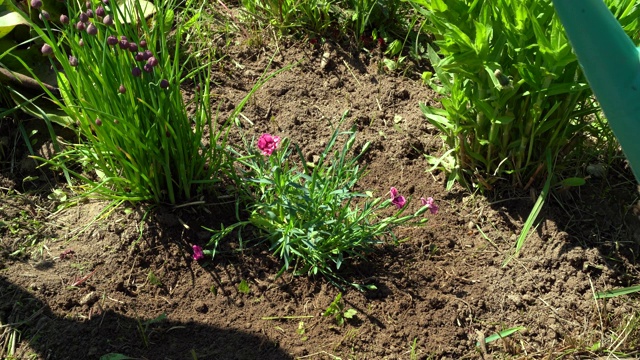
(120, 83)
(310, 214)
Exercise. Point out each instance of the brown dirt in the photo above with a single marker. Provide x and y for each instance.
(441, 287)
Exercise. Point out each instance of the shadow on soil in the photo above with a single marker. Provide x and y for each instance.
(110, 332)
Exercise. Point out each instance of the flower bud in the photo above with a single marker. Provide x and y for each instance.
(106, 2)
(147, 68)
(122, 37)
(36, 4)
(133, 47)
(81, 42)
(64, 19)
(46, 49)
(139, 56)
(122, 89)
(164, 83)
(100, 11)
(89, 13)
(73, 61)
(83, 17)
(112, 40)
(152, 61)
(136, 71)
(80, 26)
(88, 4)
(143, 43)
(98, 122)
(147, 54)
(108, 20)
(92, 29)
(44, 15)
(124, 44)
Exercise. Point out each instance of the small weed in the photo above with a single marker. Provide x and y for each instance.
(153, 279)
(143, 327)
(337, 309)
(243, 287)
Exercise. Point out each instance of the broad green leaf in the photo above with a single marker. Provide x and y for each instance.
(9, 20)
(129, 9)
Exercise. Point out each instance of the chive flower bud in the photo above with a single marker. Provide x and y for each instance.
(152, 61)
(80, 26)
(64, 19)
(112, 40)
(73, 61)
(89, 13)
(98, 122)
(44, 15)
(83, 17)
(139, 56)
(46, 49)
(92, 29)
(124, 44)
(122, 89)
(143, 43)
(164, 83)
(88, 4)
(36, 4)
(147, 67)
(81, 42)
(122, 37)
(100, 11)
(147, 54)
(133, 47)
(108, 20)
(136, 71)
(106, 2)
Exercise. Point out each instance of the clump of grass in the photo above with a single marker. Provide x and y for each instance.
(120, 83)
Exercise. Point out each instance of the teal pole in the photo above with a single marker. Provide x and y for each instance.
(611, 63)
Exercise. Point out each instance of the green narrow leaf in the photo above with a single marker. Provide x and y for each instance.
(502, 334)
(114, 356)
(618, 292)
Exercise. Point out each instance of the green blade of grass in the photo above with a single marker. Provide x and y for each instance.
(502, 334)
(617, 292)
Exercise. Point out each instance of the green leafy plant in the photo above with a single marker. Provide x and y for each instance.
(243, 287)
(512, 88)
(309, 214)
(337, 309)
(120, 83)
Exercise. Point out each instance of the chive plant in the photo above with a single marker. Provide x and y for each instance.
(120, 81)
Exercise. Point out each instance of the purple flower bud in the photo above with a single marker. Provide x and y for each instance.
(89, 13)
(83, 17)
(147, 68)
(46, 49)
(152, 61)
(122, 37)
(92, 29)
(80, 26)
(64, 19)
(112, 40)
(143, 43)
(73, 61)
(164, 83)
(124, 44)
(139, 56)
(136, 71)
(36, 4)
(81, 43)
(122, 89)
(108, 20)
(98, 122)
(100, 11)
(147, 54)
(88, 4)
(44, 15)
(133, 47)
(106, 2)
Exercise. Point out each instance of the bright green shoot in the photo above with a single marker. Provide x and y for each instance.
(337, 310)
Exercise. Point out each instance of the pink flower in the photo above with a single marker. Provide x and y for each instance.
(197, 253)
(397, 199)
(268, 144)
(430, 204)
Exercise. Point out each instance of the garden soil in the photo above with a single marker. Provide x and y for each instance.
(122, 281)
